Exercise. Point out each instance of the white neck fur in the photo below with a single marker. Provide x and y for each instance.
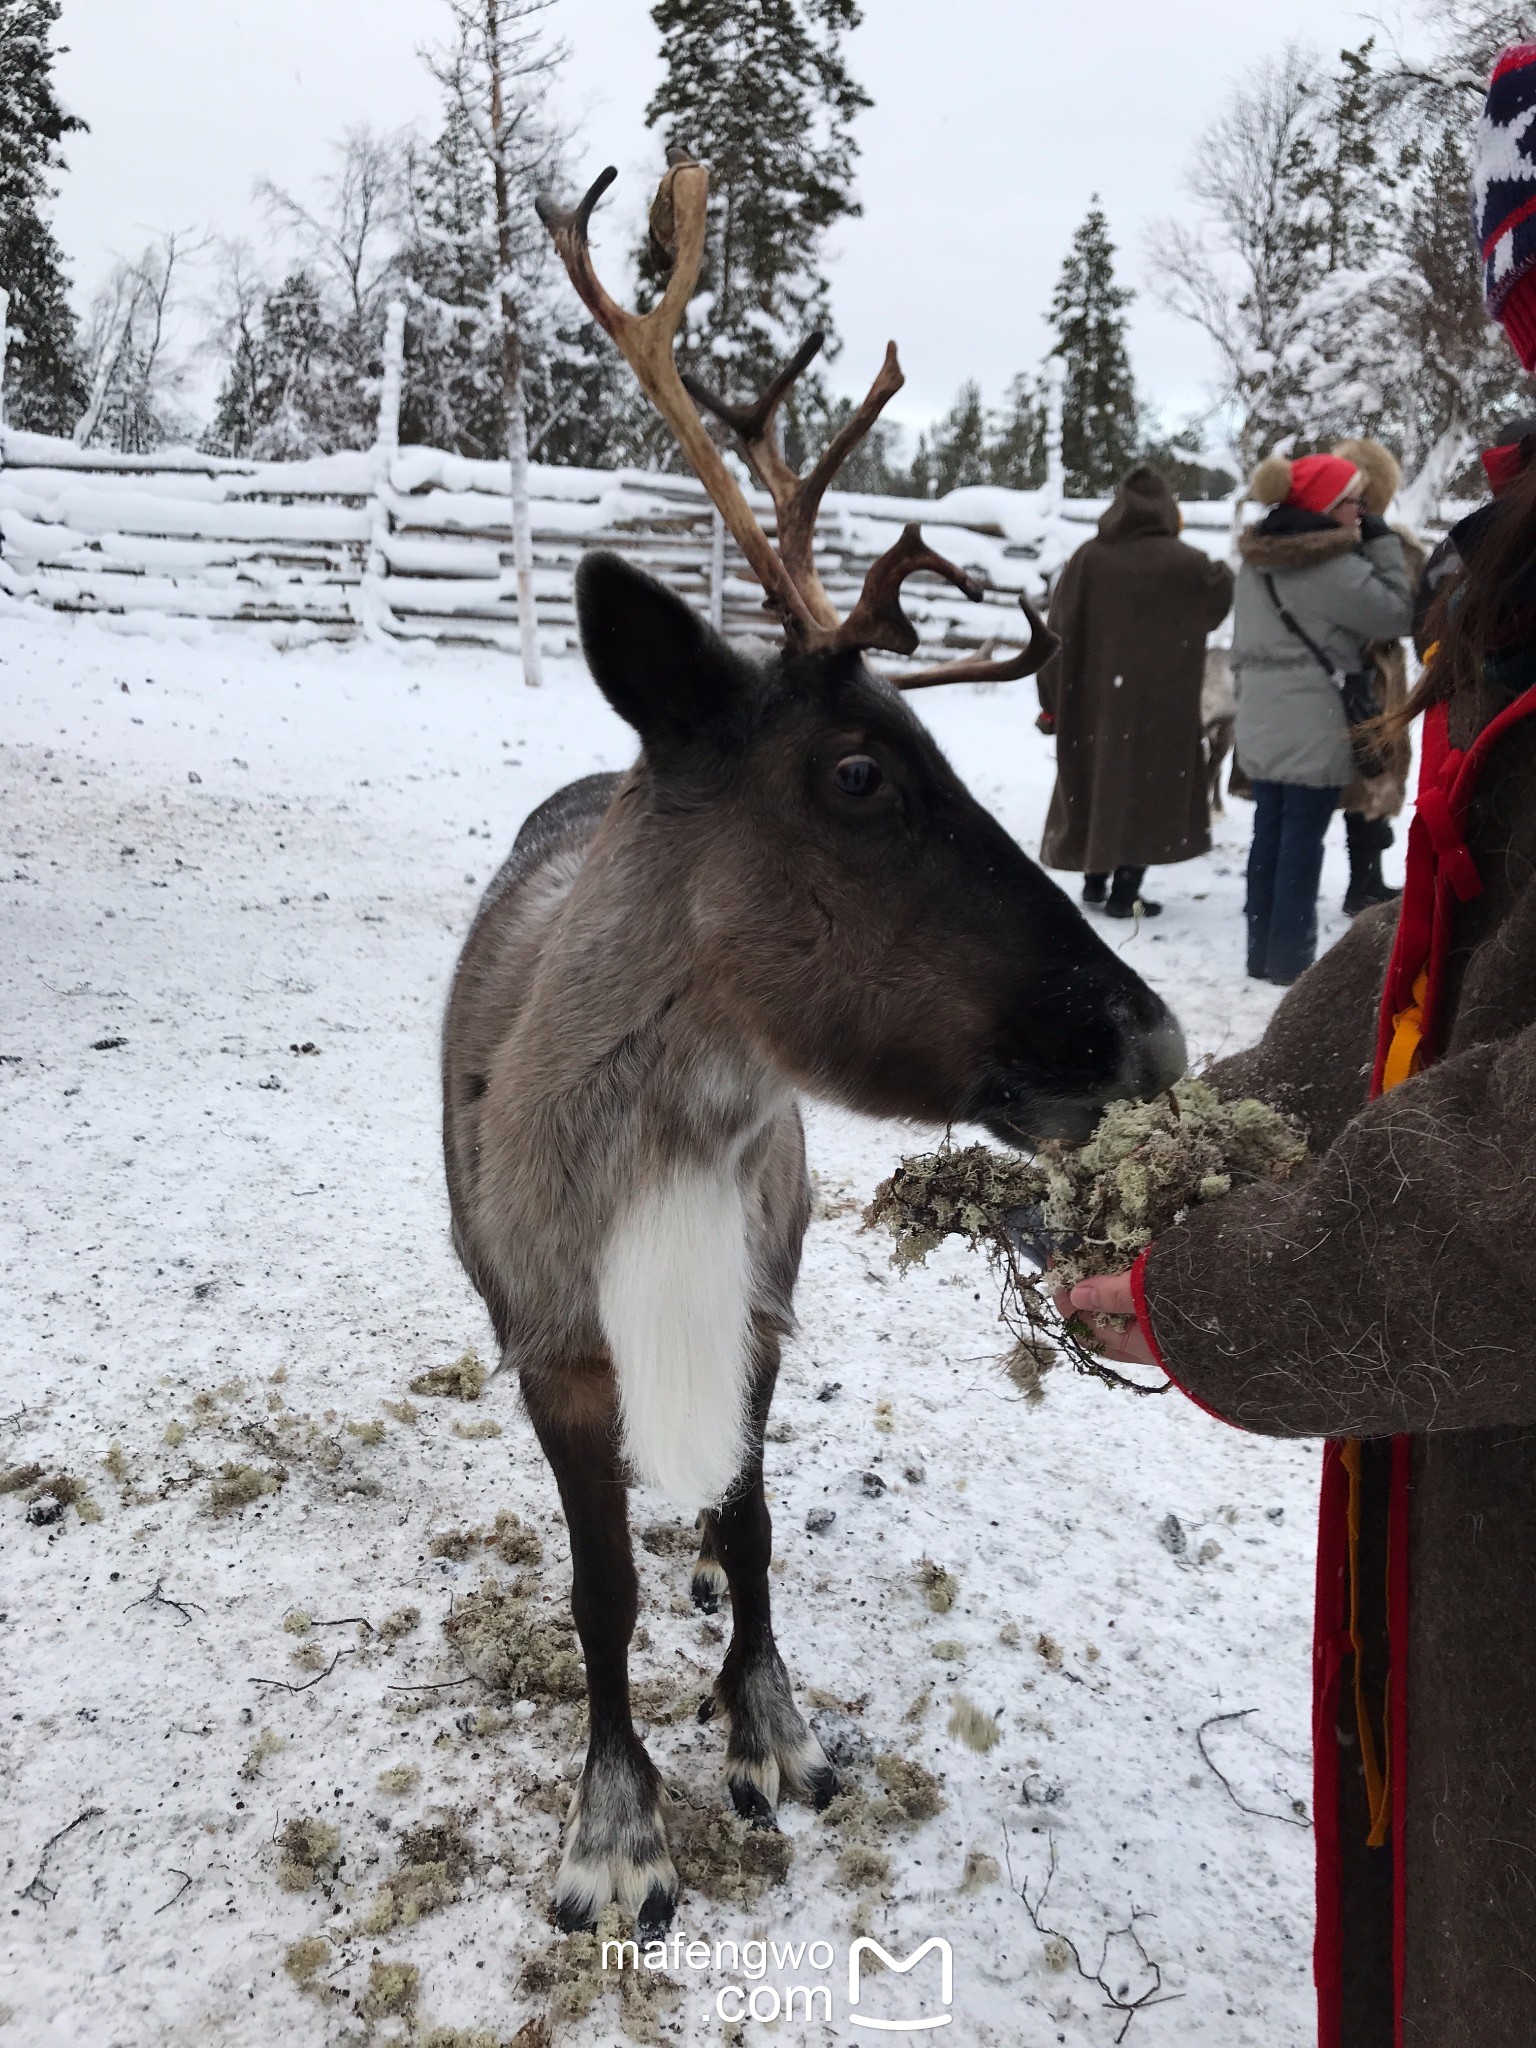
(675, 1298)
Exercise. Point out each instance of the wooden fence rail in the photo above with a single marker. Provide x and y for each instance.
(413, 543)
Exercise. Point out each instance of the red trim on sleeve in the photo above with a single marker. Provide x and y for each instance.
(1144, 1317)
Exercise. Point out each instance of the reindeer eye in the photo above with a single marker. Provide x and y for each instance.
(857, 775)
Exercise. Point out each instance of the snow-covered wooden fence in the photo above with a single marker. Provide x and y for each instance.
(413, 543)
(418, 544)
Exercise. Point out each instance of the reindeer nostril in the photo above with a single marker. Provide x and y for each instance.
(1161, 1057)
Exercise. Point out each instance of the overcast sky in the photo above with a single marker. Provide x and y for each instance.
(994, 123)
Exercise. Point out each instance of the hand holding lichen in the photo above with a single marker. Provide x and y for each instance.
(1085, 1210)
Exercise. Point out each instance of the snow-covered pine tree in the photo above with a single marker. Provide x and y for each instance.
(954, 450)
(577, 392)
(759, 90)
(237, 300)
(1099, 425)
(454, 393)
(1016, 443)
(496, 72)
(346, 247)
(45, 386)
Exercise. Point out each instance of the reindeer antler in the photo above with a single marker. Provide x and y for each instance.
(797, 500)
(979, 668)
(645, 342)
(788, 575)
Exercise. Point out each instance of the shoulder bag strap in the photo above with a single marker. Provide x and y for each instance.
(1292, 625)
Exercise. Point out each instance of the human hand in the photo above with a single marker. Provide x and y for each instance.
(1096, 1301)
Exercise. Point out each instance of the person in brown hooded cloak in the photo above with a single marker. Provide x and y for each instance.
(1133, 607)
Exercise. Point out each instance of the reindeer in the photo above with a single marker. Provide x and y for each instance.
(789, 892)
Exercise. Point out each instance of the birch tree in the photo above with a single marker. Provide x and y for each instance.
(135, 371)
(496, 71)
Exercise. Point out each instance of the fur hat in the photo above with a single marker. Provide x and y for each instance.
(1315, 483)
(1381, 469)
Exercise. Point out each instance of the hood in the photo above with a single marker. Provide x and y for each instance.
(1291, 538)
(1380, 468)
(1145, 505)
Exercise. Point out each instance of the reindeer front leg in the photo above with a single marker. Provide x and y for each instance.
(615, 1843)
(769, 1747)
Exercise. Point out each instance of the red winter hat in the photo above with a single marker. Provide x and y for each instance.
(1318, 482)
(1315, 483)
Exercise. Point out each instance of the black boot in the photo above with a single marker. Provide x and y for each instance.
(1125, 897)
(1095, 889)
(1367, 840)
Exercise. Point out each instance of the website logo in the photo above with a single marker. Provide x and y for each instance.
(865, 1946)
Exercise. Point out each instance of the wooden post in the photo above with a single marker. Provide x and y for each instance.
(374, 603)
(716, 569)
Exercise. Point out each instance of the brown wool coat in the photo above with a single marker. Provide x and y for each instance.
(1388, 1290)
(1133, 607)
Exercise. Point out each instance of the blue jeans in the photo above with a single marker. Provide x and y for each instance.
(1285, 865)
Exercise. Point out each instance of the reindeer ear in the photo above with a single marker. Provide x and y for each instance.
(662, 669)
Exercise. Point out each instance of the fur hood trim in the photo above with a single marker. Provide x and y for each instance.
(1296, 550)
(1381, 469)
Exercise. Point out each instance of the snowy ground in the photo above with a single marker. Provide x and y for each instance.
(220, 1250)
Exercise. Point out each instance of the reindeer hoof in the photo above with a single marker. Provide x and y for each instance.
(705, 1711)
(752, 1803)
(574, 1916)
(657, 1908)
(709, 1586)
(821, 1787)
(615, 1849)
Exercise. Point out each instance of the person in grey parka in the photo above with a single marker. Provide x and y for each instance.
(1342, 578)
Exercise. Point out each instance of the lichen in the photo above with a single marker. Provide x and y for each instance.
(393, 1989)
(399, 1624)
(304, 1959)
(570, 1977)
(238, 1485)
(464, 1380)
(862, 1869)
(1091, 1207)
(723, 1858)
(512, 1647)
(399, 1779)
(909, 1796)
(513, 1541)
(266, 1744)
(470, 1432)
(971, 1725)
(940, 1588)
(912, 1794)
(980, 1870)
(308, 1847)
(434, 1857)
